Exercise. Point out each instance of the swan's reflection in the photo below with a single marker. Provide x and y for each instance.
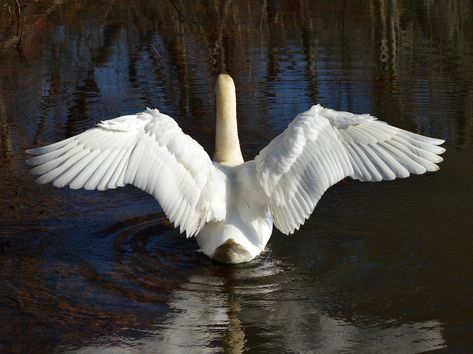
(224, 307)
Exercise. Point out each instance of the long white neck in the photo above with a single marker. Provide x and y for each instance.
(227, 145)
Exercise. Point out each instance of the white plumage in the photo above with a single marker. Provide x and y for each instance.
(148, 150)
(230, 205)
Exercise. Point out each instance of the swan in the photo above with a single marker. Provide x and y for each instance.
(228, 204)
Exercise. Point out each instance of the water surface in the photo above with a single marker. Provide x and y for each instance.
(379, 267)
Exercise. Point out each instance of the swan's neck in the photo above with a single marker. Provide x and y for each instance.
(227, 145)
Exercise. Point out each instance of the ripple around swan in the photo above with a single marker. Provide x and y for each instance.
(148, 251)
(148, 257)
(157, 290)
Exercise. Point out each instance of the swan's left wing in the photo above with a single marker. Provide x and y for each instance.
(322, 146)
(148, 150)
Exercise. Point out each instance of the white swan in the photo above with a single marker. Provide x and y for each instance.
(228, 204)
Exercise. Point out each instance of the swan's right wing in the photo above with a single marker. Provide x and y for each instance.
(322, 146)
(148, 150)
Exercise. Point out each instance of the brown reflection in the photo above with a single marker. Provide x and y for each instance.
(5, 138)
(307, 29)
(386, 30)
(234, 338)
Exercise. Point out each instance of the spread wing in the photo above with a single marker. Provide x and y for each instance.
(148, 150)
(322, 146)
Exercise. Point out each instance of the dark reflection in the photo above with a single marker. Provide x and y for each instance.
(256, 306)
(378, 268)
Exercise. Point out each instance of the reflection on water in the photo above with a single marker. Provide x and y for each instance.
(265, 302)
(378, 268)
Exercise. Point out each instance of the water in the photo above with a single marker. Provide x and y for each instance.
(378, 268)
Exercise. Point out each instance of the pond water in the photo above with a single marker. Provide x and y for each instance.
(378, 268)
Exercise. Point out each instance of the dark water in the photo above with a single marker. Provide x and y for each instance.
(379, 268)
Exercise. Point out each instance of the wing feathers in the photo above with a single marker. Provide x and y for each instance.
(75, 168)
(72, 158)
(322, 146)
(398, 170)
(120, 169)
(52, 161)
(422, 138)
(49, 148)
(51, 155)
(148, 150)
(384, 172)
(89, 170)
(105, 180)
(95, 178)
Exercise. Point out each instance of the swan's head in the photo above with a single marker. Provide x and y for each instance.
(225, 87)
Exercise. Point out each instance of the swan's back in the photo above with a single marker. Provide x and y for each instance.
(248, 224)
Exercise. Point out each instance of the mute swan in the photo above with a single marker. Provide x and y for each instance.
(228, 204)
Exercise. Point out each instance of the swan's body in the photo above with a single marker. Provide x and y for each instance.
(228, 204)
(248, 225)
